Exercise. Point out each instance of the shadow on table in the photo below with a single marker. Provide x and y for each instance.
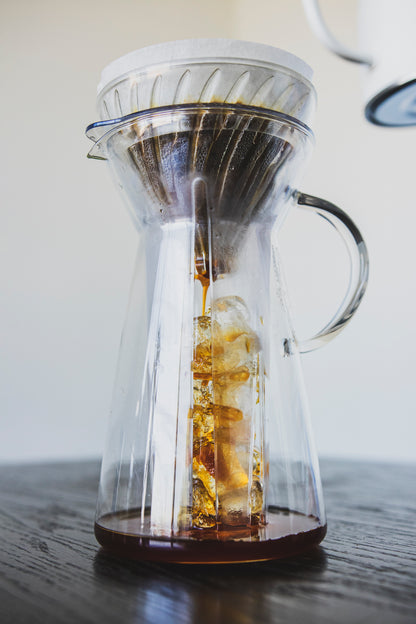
(215, 593)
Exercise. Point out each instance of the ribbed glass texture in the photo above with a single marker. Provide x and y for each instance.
(209, 456)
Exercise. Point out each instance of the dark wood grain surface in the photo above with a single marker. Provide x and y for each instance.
(53, 571)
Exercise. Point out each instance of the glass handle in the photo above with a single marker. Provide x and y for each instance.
(358, 254)
(321, 30)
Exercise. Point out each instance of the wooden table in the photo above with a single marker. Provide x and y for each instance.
(52, 570)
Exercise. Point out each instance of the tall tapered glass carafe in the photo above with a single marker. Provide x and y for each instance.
(210, 456)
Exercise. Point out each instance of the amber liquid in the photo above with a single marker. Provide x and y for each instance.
(219, 527)
(286, 533)
(202, 277)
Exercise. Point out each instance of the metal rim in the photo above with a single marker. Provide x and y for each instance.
(375, 103)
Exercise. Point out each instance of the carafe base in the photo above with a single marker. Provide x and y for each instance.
(286, 533)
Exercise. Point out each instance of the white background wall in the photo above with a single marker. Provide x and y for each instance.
(67, 245)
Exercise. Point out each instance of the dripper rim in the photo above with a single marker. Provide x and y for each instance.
(114, 125)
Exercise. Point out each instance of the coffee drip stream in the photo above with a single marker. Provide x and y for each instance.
(210, 457)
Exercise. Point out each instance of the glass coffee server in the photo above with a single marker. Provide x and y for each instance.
(209, 455)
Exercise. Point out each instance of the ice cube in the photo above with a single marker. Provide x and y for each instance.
(203, 506)
(237, 507)
(202, 361)
(227, 387)
(202, 392)
(205, 455)
(201, 473)
(233, 507)
(256, 497)
(257, 462)
(203, 422)
(235, 344)
(226, 416)
(230, 473)
(232, 315)
(236, 376)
